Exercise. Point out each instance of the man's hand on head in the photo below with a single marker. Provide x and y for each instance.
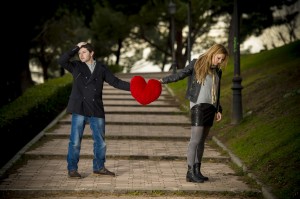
(81, 44)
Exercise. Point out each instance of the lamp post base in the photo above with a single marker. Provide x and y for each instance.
(174, 67)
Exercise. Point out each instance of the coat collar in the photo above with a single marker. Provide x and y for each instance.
(96, 72)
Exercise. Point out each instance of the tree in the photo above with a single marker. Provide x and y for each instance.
(20, 30)
(153, 24)
(110, 28)
(31, 32)
(58, 34)
(287, 17)
(255, 17)
(19, 37)
(111, 25)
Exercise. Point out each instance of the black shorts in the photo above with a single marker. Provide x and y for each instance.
(203, 114)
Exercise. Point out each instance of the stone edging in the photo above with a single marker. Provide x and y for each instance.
(266, 191)
(29, 144)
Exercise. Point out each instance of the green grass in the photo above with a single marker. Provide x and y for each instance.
(267, 139)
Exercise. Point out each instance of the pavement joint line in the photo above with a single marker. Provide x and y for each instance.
(136, 123)
(138, 105)
(121, 137)
(127, 99)
(145, 113)
(127, 157)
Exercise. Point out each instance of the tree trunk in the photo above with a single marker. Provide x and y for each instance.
(118, 53)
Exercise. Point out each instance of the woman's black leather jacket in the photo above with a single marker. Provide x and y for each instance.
(193, 88)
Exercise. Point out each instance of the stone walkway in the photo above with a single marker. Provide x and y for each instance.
(146, 148)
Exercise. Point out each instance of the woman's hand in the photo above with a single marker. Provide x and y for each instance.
(218, 116)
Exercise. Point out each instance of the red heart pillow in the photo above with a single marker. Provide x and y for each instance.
(143, 92)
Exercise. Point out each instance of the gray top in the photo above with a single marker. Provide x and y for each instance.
(91, 66)
(205, 95)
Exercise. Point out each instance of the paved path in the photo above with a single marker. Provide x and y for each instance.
(146, 148)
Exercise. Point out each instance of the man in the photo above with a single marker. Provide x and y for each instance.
(86, 105)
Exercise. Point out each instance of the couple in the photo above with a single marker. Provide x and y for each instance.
(86, 105)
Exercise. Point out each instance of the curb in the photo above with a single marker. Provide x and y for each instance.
(29, 144)
(266, 191)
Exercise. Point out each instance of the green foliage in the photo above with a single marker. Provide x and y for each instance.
(57, 35)
(268, 137)
(115, 68)
(110, 28)
(29, 114)
(43, 97)
(179, 88)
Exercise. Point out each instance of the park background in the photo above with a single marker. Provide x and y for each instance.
(130, 33)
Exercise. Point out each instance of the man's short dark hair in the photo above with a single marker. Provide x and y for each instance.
(88, 46)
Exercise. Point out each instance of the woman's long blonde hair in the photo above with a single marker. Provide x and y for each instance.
(204, 61)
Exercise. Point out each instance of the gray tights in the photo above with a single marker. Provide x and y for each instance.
(196, 144)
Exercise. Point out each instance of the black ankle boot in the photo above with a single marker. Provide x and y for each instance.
(191, 177)
(198, 173)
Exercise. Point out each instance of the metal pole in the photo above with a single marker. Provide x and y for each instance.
(173, 50)
(172, 11)
(189, 33)
(237, 110)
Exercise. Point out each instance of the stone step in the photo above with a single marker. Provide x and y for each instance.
(42, 177)
(129, 132)
(124, 149)
(129, 97)
(157, 103)
(142, 110)
(146, 119)
(109, 90)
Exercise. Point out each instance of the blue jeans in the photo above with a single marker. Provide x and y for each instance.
(97, 126)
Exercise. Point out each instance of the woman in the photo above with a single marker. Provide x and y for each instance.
(203, 92)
